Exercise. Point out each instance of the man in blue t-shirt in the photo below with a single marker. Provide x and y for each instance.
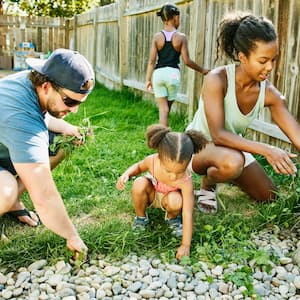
(56, 86)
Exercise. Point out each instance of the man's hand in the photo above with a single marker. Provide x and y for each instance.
(73, 131)
(77, 246)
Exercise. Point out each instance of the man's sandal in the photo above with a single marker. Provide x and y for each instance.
(21, 213)
(207, 201)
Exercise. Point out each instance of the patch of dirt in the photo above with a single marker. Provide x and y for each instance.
(85, 219)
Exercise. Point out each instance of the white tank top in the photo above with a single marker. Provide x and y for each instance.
(235, 120)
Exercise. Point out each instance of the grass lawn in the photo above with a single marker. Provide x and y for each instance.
(104, 215)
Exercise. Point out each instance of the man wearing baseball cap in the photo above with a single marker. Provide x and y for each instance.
(54, 87)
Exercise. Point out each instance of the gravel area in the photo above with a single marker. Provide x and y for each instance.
(148, 278)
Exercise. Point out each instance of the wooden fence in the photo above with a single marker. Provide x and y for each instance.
(120, 34)
(46, 33)
(116, 39)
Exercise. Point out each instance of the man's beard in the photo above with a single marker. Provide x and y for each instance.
(56, 114)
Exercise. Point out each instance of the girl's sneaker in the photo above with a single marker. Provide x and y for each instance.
(140, 223)
(175, 225)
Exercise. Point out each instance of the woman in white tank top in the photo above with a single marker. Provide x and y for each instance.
(231, 97)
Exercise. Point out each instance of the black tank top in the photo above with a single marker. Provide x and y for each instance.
(168, 56)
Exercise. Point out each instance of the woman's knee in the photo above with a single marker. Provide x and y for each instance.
(220, 161)
(232, 164)
(228, 168)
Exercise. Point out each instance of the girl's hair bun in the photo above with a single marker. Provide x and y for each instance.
(167, 11)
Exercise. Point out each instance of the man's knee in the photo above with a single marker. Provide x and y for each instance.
(8, 195)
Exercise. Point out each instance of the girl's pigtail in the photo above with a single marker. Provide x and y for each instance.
(155, 134)
(198, 139)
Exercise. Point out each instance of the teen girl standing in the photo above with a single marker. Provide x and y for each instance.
(163, 72)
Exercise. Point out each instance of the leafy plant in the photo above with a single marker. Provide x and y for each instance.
(68, 143)
(242, 277)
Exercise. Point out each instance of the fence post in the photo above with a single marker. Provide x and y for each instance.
(75, 31)
(123, 42)
(95, 38)
(67, 33)
(282, 40)
(196, 49)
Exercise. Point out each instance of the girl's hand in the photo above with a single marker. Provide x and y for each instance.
(281, 161)
(122, 181)
(183, 251)
(205, 71)
(148, 85)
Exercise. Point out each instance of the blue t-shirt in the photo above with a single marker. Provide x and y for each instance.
(23, 132)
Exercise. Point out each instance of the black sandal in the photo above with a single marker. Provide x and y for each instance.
(21, 213)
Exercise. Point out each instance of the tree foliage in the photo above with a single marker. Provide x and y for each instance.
(57, 8)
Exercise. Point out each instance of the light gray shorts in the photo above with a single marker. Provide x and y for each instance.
(166, 83)
(249, 158)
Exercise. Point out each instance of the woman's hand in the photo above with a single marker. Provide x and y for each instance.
(122, 181)
(281, 161)
(183, 250)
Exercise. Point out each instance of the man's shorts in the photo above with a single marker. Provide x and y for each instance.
(52, 135)
(6, 163)
(166, 82)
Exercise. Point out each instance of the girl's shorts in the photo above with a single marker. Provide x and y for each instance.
(166, 82)
(157, 201)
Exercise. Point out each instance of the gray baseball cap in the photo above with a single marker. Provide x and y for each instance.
(66, 68)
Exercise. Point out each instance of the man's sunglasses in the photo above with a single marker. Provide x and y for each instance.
(69, 101)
